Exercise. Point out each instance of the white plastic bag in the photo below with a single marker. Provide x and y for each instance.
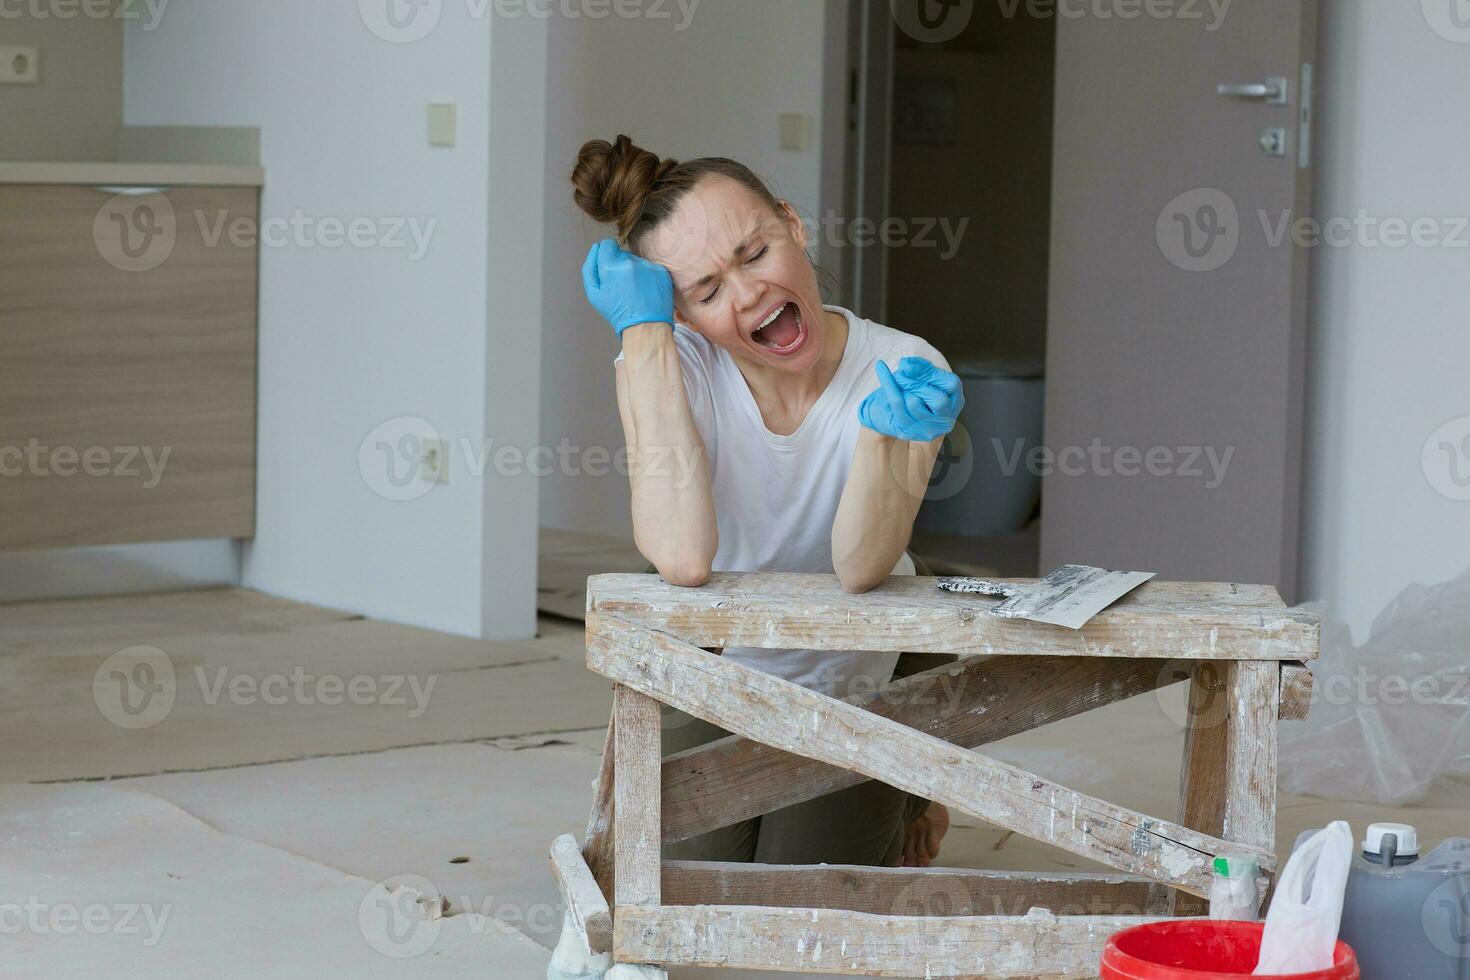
(1302, 923)
(1391, 717)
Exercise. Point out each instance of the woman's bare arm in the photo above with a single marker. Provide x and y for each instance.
(673, 504)
(875, 517)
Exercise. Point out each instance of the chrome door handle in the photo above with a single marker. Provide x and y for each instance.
(1275, 91)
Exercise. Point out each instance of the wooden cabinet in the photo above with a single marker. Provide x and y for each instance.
(127, 364)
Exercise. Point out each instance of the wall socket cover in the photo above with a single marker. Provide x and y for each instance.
(795, 131)
(19, 65)
(434, 461)
(441, 123)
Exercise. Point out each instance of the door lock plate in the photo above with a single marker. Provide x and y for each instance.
(1273, 141)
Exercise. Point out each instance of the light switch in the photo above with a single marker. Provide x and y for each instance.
(19, 66)
(441, 124)
(795, 131)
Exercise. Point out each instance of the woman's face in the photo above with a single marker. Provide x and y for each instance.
(741, 275)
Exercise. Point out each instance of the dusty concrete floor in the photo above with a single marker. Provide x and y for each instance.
(220, 783)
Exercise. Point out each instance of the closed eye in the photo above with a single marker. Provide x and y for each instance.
(754, 258)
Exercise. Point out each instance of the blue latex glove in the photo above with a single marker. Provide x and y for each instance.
(918, 402)
(625, 288)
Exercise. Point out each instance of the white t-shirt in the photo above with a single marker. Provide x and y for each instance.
(776, 496)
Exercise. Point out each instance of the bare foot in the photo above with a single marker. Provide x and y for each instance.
(922, 836)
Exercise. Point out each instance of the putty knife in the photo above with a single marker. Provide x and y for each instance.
(1069, 596)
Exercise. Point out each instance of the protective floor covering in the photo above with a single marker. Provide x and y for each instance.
(235, 837)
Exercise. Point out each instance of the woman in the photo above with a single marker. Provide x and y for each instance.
(766, 432)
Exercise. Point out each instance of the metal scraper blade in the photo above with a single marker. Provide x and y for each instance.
(1069, 596)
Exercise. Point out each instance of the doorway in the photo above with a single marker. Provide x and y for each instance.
(967, 151)
(1122, 170)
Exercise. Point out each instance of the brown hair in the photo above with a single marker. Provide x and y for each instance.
(625, 184)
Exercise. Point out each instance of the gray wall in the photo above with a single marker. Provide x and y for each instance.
(76, 110)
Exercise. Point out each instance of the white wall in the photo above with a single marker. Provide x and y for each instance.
(714, 88)
(514, 316)
(354, 337)
(1390, 340)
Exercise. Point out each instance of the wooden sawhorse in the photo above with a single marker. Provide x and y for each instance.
(1241, 648)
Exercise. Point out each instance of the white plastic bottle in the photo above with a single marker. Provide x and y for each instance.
(1233, 892)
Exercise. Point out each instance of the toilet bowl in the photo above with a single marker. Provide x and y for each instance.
(982, 483)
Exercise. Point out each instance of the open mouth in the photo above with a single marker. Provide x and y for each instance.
(783, 331)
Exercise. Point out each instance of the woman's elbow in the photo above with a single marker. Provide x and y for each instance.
(858, 581)
(687, 572)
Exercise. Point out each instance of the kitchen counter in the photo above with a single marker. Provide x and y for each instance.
(120, 174)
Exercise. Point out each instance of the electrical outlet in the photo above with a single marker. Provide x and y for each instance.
(441, 123)
(434, 461)
(796, 131)
(19, 65)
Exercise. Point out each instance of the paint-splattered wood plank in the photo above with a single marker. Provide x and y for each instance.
(968, 703)
(597, 847)
(910, 891)
(787, 610)
(971, 702)
(1228, 782)
(1296, 691)
(635, 832)
(787, 716)
(580, 894)
(1039, 945)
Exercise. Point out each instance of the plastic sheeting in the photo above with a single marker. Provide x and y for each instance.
(1392, 716)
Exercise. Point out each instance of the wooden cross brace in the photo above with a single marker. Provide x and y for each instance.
(1239, 646)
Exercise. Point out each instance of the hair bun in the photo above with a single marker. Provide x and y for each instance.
(613, 180)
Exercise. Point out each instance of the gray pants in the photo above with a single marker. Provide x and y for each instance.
(863, 824)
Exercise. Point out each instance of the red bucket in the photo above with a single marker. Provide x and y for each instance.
(1202, 949)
